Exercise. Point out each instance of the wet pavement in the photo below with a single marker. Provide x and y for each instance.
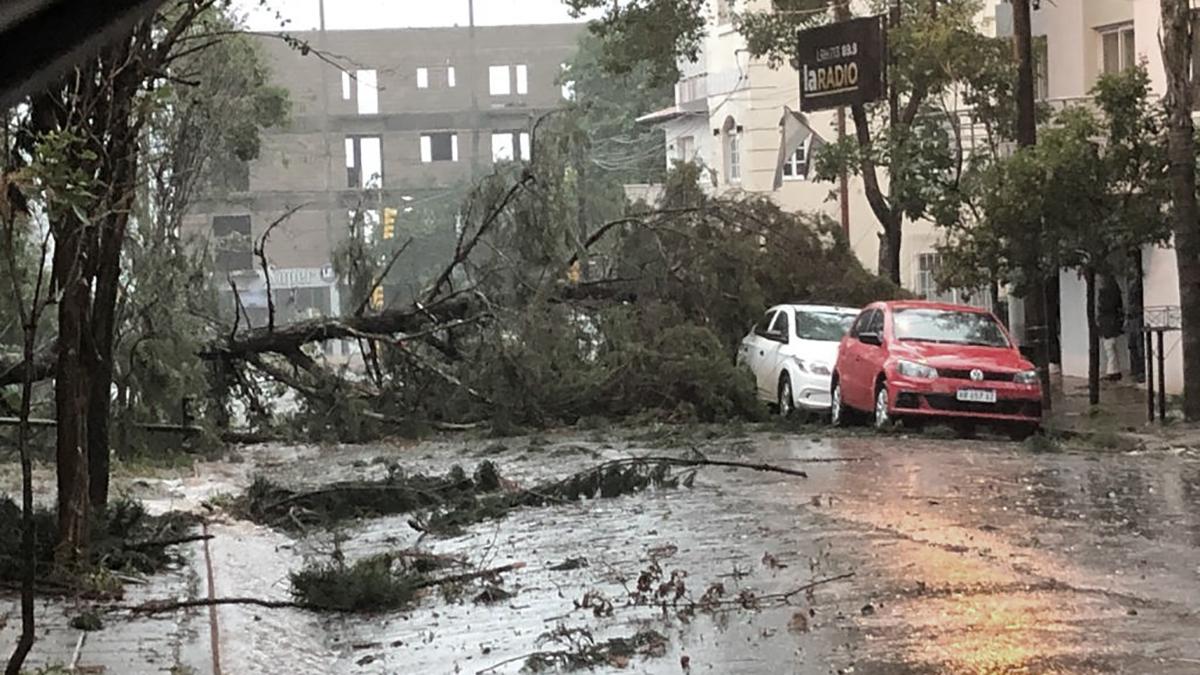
(967, 557)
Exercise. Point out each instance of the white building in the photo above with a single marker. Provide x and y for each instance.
(736, 115)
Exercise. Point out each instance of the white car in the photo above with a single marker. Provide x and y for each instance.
(792, 352)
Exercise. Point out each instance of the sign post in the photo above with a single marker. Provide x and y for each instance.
(842, 64)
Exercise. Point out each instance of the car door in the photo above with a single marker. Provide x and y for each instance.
(768, 353)
(871, 358)
(755, 345)
(852, 371)
(775, 354)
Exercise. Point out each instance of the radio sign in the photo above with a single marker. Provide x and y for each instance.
(841, 64)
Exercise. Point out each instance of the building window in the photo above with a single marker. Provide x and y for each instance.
(685, 148)
(510, 145)
(733, 150)
(347, 86)
(1117, 49)
(450, 80)
(422, 78)
(724, 14)
(522, 79)
(795, 167)
(232, 242)
(368, 92)
(364, 162)
(1041, 68)
(439, 147)
(691, 88)
(498, 82)
(568, 85)
(501, 79)
(925, 285)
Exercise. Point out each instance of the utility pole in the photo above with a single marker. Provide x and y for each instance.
(1037, 333)
(473, 83)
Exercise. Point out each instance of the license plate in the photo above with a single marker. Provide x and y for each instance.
(977, 395)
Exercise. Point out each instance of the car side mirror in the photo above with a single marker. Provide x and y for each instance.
(870, 339)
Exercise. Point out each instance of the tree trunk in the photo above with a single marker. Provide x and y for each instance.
(889, 246)
(1181, 153)
(1089, 283)
(1037, 323)
(120, 171)
(70, 403)
(28, 548)
(103, 333)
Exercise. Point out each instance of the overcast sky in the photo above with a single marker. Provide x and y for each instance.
(304, 14)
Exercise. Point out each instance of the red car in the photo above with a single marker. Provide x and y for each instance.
(915, 360)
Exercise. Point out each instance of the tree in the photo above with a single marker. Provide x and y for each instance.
(202, 130)
(1082, 198)
(96, 121)
(23, 264)
(1177, 46)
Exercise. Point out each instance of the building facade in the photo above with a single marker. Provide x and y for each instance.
(736, 115)
(388, 126)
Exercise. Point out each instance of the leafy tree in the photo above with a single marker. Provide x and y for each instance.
(97, 127)
(934, 49)
(204, 129)
(1092, 186)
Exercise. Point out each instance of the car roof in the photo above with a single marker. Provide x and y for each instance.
(929, 304)
(811, 307)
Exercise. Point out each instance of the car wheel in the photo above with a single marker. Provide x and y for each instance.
(787, 404)
(882, 418)
(839, 414)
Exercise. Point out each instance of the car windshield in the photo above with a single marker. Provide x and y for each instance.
(822, 326)
(949, 327)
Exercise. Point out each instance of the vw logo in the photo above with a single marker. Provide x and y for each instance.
(976, 375)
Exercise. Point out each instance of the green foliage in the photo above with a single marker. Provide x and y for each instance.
(124, 540)
(88, 620)
(376, 583)
(397, 492)
(654, 32)
(1086, 194)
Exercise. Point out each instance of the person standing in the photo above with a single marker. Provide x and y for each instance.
(1110, 320)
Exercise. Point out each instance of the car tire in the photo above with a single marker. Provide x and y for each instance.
(785, 398)
(881, 416)
(840, 415)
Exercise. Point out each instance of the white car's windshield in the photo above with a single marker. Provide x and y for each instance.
(822, 326)
(948, 326)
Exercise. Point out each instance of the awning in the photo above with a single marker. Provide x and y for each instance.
(695, 107)
(659, 116)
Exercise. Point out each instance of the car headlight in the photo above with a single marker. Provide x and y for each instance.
(1027, 377)
(814, 367)
(915, 370)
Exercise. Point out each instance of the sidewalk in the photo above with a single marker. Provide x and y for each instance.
(1121, 413)
(1122, 406)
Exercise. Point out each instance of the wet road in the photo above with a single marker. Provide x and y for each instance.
(967, 556)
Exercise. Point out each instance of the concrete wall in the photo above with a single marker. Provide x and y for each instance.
(305, 163)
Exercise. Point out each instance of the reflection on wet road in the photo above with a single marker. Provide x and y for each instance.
(968, 557)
